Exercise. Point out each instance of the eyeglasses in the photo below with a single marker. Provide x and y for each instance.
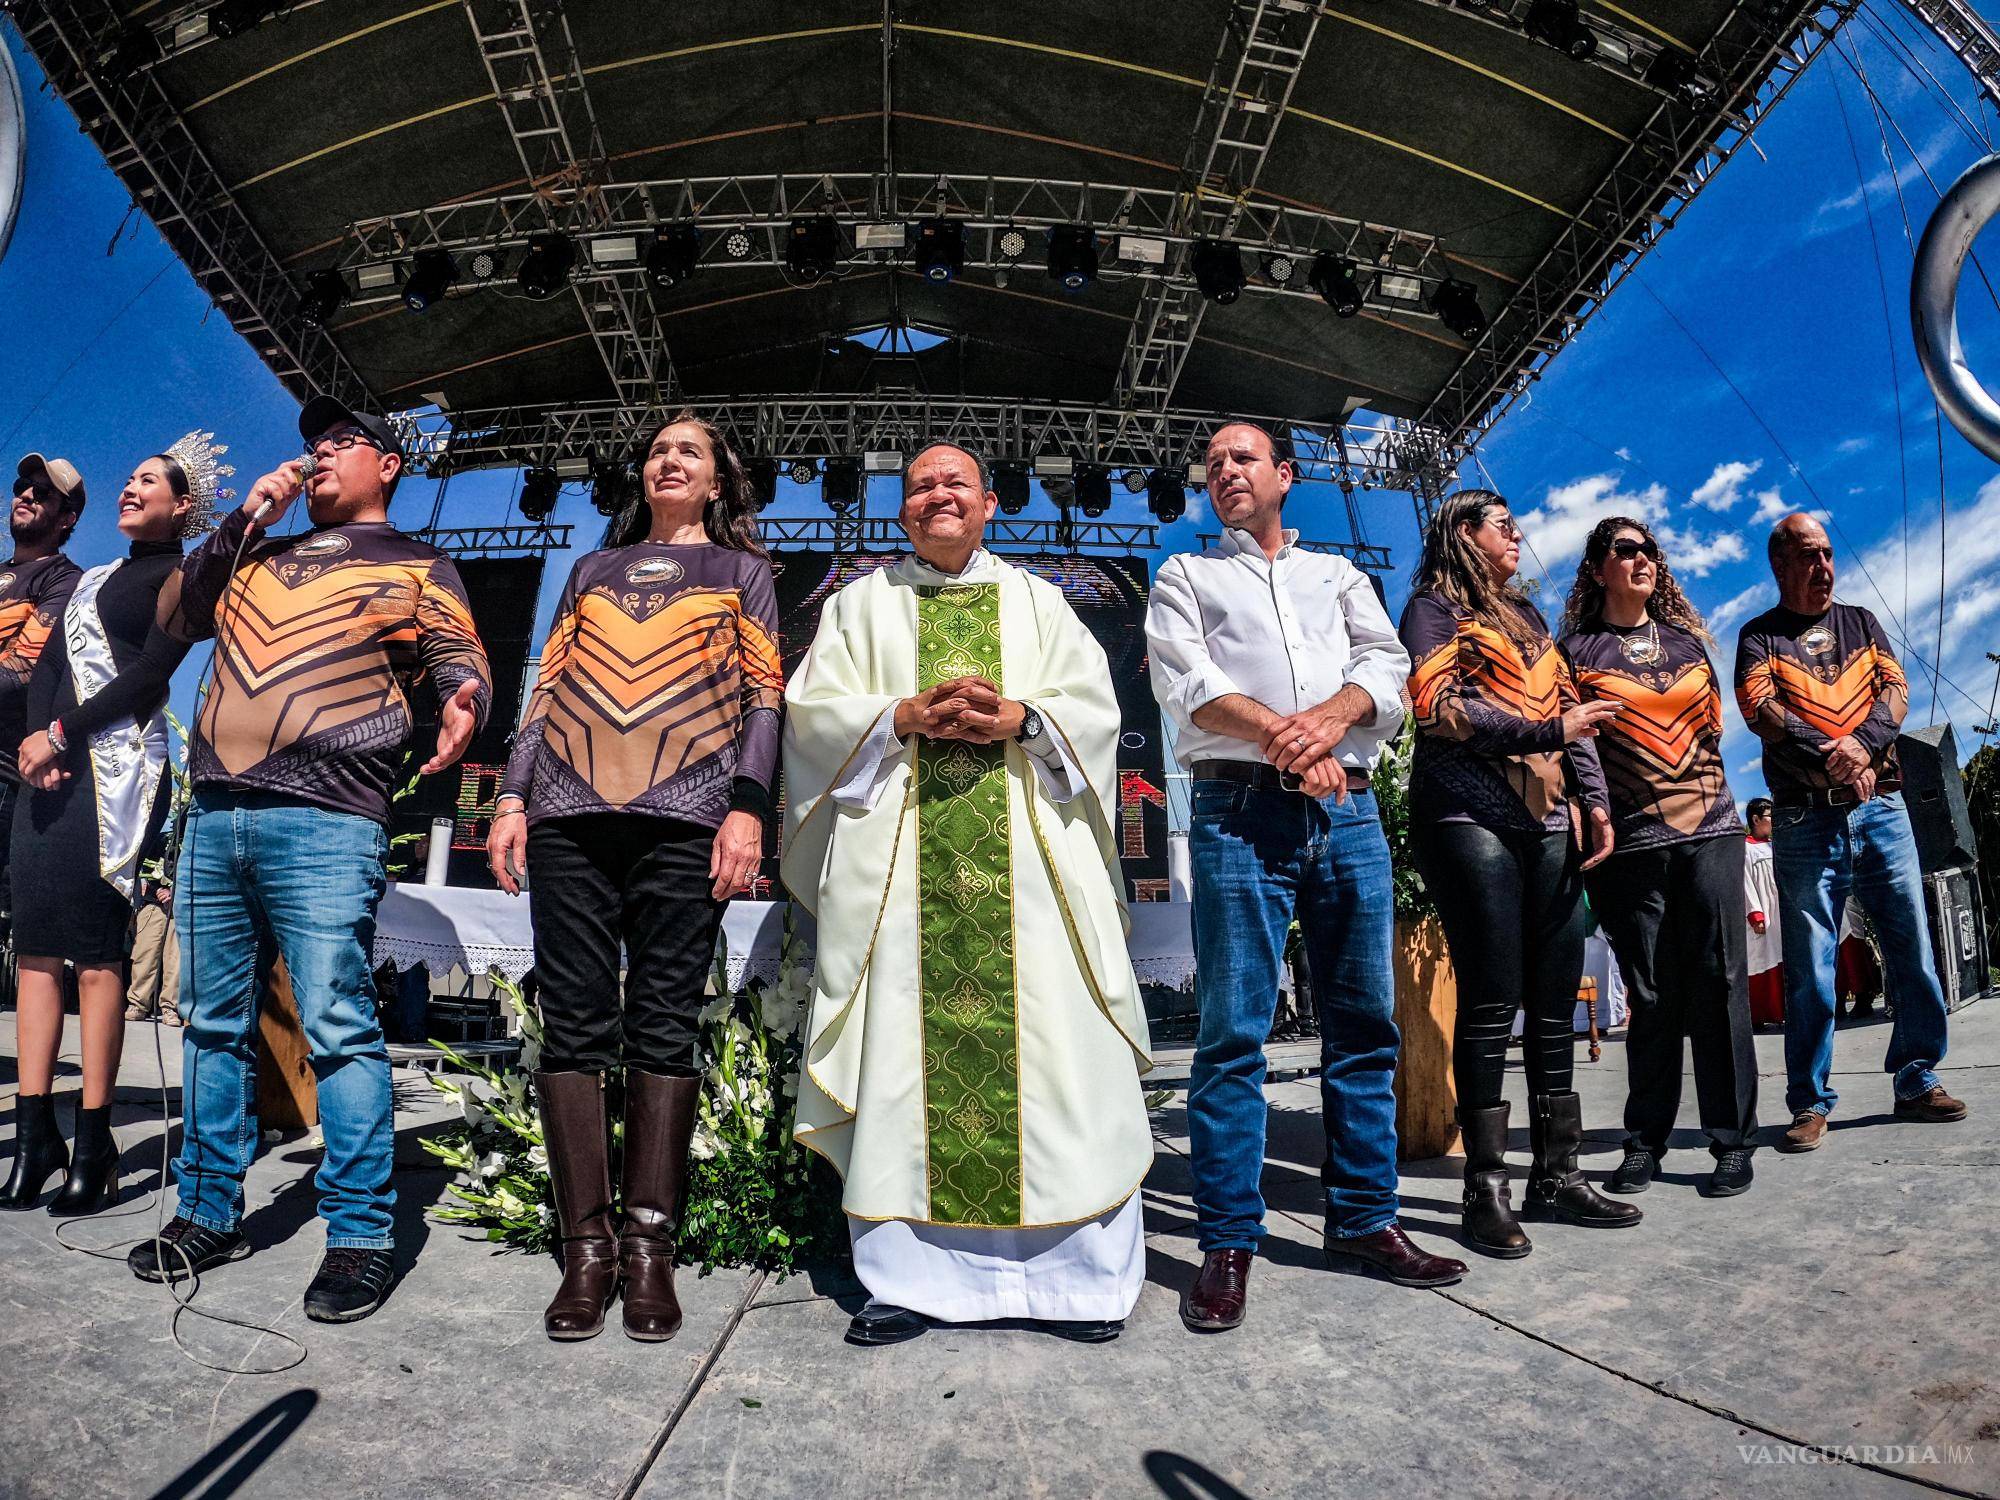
(1505, 525)
(340, 442)
(1626, 548)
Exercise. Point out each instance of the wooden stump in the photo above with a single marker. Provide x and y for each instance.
(1426, 1009)
(287, 1091)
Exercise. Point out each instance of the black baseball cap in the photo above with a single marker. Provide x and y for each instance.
(323, 413)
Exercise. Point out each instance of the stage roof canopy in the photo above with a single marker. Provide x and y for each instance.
(1458, 161)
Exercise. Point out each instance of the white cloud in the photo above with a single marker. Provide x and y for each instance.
(1853, 445)
(1697, 557)
(1881, 190)
(1724, 485)
(1559, 527)
(1770, 506)
(1624, 453)
(1726, 616)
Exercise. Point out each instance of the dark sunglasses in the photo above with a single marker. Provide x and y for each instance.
(1625, 549)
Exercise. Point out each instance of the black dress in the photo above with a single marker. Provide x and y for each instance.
(63, 905)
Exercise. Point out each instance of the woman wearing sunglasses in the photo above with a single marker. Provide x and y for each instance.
(1502, 743)
(1671, 897)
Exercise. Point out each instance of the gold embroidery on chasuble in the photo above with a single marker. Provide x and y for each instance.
(965, 933)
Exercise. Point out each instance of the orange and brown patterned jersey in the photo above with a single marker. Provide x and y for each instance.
(1803, 680)
(1489, 721)
(659, 691)
(33, 596)
(1662, 754)
(321, 637)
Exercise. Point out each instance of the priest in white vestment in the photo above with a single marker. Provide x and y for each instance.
(976, 1038)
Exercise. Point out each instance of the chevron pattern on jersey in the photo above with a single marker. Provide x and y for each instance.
(1833, 701)
(1664, 724)
(1493, 665)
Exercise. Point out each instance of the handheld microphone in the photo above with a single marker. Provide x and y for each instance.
(307, 465)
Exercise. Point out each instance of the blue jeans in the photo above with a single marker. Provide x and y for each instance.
(1821, 856)
(260, 874)
(1259, 858)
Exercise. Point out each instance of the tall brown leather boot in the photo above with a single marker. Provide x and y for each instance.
(1556, 1188)
(659, 1122)
(1490, 1225)
(576, 1129)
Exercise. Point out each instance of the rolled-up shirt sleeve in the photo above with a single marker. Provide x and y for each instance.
(1184, 675)
(1378, 662)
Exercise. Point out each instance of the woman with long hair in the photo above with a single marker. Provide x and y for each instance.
(1671, 897)
(94, 796)
(1503, 758)
(636, 796)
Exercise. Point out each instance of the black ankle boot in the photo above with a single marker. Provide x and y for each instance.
(1556, 1188)
(1490, 1225)
(93, 1166)
(39, 1153)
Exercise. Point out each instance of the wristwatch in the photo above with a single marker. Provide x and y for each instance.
(1032, 727)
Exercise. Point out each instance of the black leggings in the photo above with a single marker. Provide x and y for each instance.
(602, 879)
(1512, 905)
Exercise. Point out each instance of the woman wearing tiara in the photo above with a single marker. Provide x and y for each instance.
(95, 794)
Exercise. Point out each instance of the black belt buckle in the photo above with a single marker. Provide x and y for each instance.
(1291, 781)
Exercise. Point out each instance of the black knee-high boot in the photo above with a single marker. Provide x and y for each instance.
(1556, 1188)
(39, 1153)
(1490, 1225)
(659, 1123)
(93, 1166)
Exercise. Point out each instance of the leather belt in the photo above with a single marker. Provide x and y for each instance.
(1831, 796)
(1264, 777)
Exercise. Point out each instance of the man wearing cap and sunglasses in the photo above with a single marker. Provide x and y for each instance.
(321, 636)
(35, 586)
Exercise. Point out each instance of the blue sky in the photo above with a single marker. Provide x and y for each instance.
(111, 352)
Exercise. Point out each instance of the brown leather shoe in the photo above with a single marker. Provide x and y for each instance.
(1391, 1252)
(659, 1122)
(1933, 1108)
(1807, 1133)
(1216, 1301)
(579, 1141)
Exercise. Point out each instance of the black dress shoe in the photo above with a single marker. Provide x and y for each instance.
(880, 1323)
(1732, 1175)
(1391, 1253)
(1085, 1333)
(350, 1284)
(1635, 1173)
(185, 1248)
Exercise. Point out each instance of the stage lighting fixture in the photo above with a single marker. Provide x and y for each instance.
(539, 489)
(234, 17)
(1073, 256)
(1093, 490)
(1218, 271)
(1010, 484)
(431, 275)
(940, 251)
(763, 474)
(609, 483)
(546, 268)
(840, 484)
(1679, 76)
(738, 244)
(1013, 244)
(1456, 304)
(812, 249)
(324, 294)
(673, 255)
(131, 50)
(1134, 480)
(483, 265)
(1166, 496)
(1279, 269)
(1557, 23)
(1338, 283)
(802, 471)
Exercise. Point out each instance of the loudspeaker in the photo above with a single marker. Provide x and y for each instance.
(1958, 933)
(1934, 790)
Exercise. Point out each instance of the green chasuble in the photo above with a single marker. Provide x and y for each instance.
(965, 932)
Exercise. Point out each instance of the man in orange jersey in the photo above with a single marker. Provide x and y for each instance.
(321, 636)
(1821, 687)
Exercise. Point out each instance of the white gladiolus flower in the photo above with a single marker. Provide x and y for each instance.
(491, 1165)
(702, 1146)
(538, 1158)
(717, 1009)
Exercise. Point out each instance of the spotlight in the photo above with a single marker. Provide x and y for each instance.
(1134, 480)
(672, 258)
(1013, 243)
(431, 274)
(802, 471)
(539, 489)
(1279, 269)
(1010, 483)
(609, 483)
(840, 484)
(738, 244)
(1679, 76)
(940, 252)
(1456, 304)
(763, 473)
(483, 265)
(134, 48)
(1337, 282)
(1093, 490)
(1073, 256)
(812, 249)
(234, 17)
(545, 268)
(324, 294)
(1557, 23)
(1166, 496)
(1218, 271)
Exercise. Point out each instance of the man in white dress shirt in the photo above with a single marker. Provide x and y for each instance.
(1283, 677)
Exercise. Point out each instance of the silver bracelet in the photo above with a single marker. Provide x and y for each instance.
(57, 738)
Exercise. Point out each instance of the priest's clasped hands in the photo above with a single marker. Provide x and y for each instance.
(964, 708)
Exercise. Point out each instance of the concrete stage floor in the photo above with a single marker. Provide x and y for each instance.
(1848, 1302)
